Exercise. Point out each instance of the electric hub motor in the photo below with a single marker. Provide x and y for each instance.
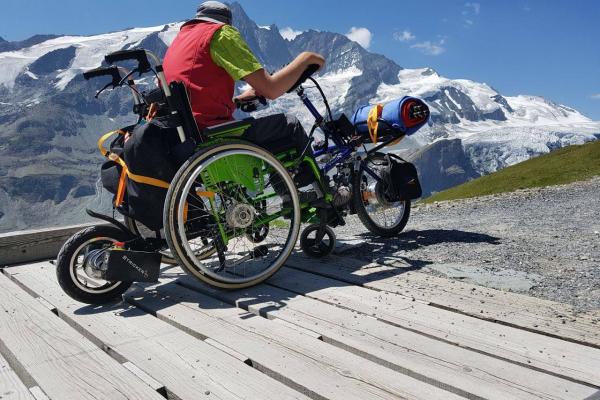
(240, 216)
(95, 264)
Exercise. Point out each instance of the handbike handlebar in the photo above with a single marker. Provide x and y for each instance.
(251, 104)
(139, 55)
(117, 80)
(104, 71)
(308, 72)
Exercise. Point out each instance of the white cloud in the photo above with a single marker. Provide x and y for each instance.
(595, 96)
(404, 36)
(470, 12)
(430, 48)
(289, 33)
(361, 36)
(473, 7)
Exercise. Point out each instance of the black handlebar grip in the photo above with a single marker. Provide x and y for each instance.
(250, 105)
(136, 54)
(311, 69)
(102, 71)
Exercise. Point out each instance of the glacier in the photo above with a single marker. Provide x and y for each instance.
(49, 121)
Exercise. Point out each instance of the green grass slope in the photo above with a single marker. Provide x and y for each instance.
(569, 164)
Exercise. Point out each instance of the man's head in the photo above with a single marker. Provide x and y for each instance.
(214, 11)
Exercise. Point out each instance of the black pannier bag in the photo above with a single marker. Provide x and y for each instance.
(149, 154)
(110, 172)
(152, 155)
(402, 179)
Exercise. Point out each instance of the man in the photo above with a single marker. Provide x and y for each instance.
(209, 55)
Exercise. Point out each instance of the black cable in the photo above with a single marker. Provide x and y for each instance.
(126, 77)
(310, 136)
(138, 92)
(323, 96)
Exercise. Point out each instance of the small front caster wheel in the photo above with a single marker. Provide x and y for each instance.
(316, 247)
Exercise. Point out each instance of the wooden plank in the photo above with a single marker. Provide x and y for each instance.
(567, 359)
(61, 361)
(319, 369)
(38, 393)
(227, 350)
(470, 373)
(144, 377)
(186, 366)
(298, 328)
(40, 244)
(524, 312)
(11, 387)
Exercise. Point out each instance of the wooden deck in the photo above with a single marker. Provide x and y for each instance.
(337, 329)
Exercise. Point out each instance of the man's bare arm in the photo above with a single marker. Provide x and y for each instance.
(273, 86)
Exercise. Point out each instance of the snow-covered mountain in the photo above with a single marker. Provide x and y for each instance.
(49, 120)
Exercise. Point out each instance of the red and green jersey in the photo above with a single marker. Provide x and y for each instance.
(208, 58)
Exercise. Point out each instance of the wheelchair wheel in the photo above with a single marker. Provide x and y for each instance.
(380, 216)
(226, 195)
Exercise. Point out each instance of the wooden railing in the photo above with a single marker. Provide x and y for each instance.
(34, 245)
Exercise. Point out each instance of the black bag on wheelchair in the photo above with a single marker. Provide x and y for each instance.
(401, 179)
(150, 154)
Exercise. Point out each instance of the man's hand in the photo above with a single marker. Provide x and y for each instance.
(273, 86)
(247, 95)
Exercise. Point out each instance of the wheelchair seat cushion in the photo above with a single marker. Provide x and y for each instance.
(236, 126)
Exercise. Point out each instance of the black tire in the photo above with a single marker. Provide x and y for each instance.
(359, 206)
(66, 270)
(313, 249)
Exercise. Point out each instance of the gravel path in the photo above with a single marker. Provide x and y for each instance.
(541, 242)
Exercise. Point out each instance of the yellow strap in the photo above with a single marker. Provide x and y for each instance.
(147, 180)
(136, 178)
(121, 189)
(105, 152)
(140, 178)
(372, 121)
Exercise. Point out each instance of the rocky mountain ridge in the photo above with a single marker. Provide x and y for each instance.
(49, 120)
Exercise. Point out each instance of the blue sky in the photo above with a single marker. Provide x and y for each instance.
(538, 47)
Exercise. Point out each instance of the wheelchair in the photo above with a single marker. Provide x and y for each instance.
(233, 212)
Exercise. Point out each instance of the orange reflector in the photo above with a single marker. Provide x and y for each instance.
(185, 211)
(210, 195)
(368, 195)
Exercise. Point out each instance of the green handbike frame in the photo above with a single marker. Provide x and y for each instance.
(251, 172)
